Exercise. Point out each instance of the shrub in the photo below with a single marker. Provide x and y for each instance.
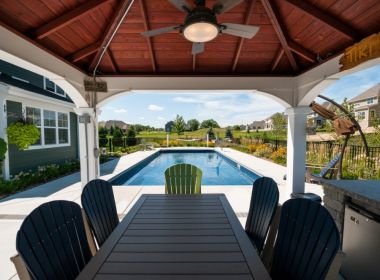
(279, 156)
(22, 134)
(252, 148)
(263, 150)
(3, 149)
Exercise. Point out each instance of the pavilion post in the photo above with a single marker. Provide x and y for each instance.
(296, 148)
(88, 144)
(4, 166)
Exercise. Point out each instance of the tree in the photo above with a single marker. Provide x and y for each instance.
(169, 126)
(236, 127)
(209, 123)
(279, 124)
(118, 132)
(112, 130)
(193, 124)
(229, 134)
(179, 125)
(102, 131)
(131, 136)
(211, 134)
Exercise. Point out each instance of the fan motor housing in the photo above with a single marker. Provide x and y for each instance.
(201, 14)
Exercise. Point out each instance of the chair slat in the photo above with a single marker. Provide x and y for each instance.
(307, 241)
(264, 201)
(52, 241)
(98, 202)
(183, 179)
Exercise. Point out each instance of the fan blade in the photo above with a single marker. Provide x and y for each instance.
(159, 31)
(180, 5)
(198, 48)
(240, 30)
(225, 5)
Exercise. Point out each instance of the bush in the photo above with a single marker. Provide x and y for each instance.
(252, 148)
(22, 135)
(3, 149)
(263, 150)
(279, 156)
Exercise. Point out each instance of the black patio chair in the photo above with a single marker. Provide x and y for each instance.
(52, 241)
(264, 201)
(307, 241)
(99, 204)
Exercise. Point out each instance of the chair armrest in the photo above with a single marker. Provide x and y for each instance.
(20, 266)
(89, 235)
(333, 272)
(267, 254)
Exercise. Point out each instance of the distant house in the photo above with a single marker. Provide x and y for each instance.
(314, 120)
(115, 123)
(268, 122)
(367, 106)
(257, 125)
(35, 99)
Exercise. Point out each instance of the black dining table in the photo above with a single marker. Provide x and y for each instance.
(177, 237)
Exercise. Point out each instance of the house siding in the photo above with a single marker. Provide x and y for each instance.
(31, 159)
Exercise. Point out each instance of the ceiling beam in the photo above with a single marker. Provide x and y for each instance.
(322, 16)
(112, 27)
(301, 51)
(241, 40)
(67, 18)
(279, 28)
(277, 59)
(146, 26)
(113, 62)
(82, 53)
(194, 62)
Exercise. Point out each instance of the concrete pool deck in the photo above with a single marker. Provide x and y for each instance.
(13, 209)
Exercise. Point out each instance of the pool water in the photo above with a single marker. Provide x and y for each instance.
(216, 169)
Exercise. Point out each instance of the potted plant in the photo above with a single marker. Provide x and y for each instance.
(22, 134)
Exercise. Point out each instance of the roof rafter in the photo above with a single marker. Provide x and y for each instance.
(241, 40)
(146, 26)
(113, 62)
(194, 62)
(120, 12)
(331, 21)
(67, 18)
(280, 30)
(301, 51)
(84, 52)
(277, 59)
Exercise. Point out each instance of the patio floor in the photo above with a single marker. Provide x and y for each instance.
(13, 209)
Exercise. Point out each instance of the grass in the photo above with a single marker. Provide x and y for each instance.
(219, 132)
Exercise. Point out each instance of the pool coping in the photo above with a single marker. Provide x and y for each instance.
(239, 165)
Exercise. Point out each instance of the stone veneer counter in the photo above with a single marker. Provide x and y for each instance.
(364, 193)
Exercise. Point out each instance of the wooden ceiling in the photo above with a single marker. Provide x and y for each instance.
(294, 35)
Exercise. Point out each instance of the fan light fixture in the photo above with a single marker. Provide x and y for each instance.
(200, 32)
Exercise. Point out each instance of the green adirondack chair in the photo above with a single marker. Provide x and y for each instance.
(183, 178)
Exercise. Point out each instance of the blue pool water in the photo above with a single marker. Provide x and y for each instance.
(216, 168)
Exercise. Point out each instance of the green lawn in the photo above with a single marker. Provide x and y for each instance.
(219, 132)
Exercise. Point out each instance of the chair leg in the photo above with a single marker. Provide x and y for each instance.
(333, 272)
(19, 264)
(267, 254)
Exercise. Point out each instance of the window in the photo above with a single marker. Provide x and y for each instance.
(372, 114)
(54, 126)
(370, 101)
(20, 79)
(52, 87)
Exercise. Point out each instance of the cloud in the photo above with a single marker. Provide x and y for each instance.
(153, 107)
(160, 118)
(141, 118)
(120, 111)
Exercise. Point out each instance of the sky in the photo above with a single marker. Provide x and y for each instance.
(157, 108)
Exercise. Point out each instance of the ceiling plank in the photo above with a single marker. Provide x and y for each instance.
(67, 18)
(147, 27)
(278, 26)
(113, 62)
(82, 53)
(322, 16)
(277, 59)
(120, 12)
(301, 51)
(241, 40)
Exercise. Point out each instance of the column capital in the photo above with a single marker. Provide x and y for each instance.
(300, 110)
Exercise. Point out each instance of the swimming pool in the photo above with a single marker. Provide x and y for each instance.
(217, 169)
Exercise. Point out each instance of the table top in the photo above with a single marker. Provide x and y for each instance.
(177, 237)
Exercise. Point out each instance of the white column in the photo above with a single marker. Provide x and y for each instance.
(3, 126)
(88, 144)
(296, 149)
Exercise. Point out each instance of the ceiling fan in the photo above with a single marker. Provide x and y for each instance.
(201, 24)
